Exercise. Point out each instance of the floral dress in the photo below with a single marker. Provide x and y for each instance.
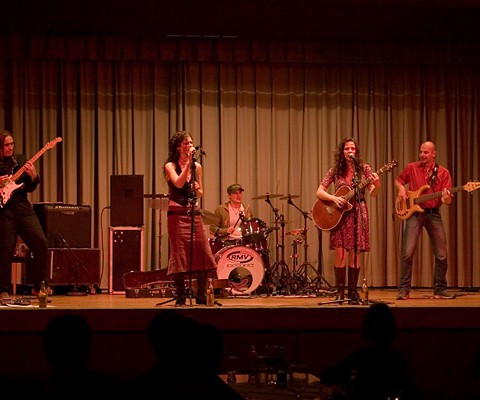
(343, 234)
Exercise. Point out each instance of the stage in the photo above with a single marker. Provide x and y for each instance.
(438, 337)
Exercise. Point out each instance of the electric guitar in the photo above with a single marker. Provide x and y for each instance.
(404, 208)
(327, 214)
(10, 186)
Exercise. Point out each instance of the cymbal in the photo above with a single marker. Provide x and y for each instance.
(291, 196)
(208, 217)
(264, 196)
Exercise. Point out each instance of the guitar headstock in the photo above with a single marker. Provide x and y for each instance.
(471, 186)
(391, 165)
(53, 143)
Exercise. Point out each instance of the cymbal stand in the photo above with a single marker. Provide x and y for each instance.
(294, 282)
(306, 277)
(279, 272)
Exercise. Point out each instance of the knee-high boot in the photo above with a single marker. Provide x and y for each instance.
(352, 285)
(340, 282)
(179, 281)
(201, 297)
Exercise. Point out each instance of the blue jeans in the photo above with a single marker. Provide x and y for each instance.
(432, 221)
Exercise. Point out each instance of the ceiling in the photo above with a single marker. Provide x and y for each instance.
(262, 19)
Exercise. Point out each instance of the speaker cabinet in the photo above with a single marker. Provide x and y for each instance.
(126, 200)
(126, 255)
(65, 224)
(67, 267)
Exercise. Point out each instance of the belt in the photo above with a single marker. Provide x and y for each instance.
(430, 210)
(183, 212)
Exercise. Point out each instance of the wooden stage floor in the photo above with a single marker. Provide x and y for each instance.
(438, 337)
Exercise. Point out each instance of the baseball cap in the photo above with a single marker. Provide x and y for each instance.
(233, 188)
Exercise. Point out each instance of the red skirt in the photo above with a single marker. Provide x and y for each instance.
(182, 259)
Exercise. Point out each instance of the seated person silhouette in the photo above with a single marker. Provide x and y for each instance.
(188, 355)
(377, 370)
(67, 345)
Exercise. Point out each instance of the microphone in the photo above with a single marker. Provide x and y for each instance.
(352, 157)
(201, 150)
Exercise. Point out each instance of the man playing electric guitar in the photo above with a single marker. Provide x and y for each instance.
(17, 217)
(416, 175)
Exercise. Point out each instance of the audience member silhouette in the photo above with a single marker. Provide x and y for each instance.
(67, 345)
(188, 356)
(376, 371)
(474, 387)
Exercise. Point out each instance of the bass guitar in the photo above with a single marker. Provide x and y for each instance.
(11, 185)
(404, 208)
(327, 214)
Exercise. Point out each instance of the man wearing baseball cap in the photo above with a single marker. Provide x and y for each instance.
(229, 217)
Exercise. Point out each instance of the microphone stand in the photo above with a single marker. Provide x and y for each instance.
(279, 273)
(78, 263)
(302, 275)
(356, 185)
(192, 200)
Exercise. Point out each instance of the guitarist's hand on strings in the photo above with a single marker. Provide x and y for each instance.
(30, 170)
(339, 201)
(446, 196)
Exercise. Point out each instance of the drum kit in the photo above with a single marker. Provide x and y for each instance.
(245, 263)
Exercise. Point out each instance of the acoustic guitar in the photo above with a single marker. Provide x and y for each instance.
(327, 214)
(405, 208)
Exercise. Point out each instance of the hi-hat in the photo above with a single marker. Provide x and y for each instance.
(290, 196)
(264, 196)
(208, 217)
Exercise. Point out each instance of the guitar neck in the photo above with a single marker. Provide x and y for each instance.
(432, 196)
(362, 185)
(21, 170)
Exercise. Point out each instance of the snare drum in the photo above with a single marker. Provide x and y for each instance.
(253, 234)
(242, 266)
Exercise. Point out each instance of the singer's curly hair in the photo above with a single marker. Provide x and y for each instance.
(175, 141)
(340, 162)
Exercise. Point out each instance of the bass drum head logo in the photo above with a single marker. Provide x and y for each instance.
(242, 266)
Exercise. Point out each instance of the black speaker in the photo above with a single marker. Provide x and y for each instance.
(126, 255)
(65, 225)
(126, 200)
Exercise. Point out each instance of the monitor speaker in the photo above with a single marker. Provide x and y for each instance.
(126, 200)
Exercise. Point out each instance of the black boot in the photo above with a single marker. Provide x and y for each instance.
(201, 297)
(353, 296)
(340, 282)
(179, 281)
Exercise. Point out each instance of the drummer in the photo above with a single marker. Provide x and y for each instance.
(229, 217)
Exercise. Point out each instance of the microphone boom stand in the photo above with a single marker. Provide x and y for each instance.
(78, 263)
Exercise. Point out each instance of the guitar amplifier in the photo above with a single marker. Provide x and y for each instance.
(65, 225)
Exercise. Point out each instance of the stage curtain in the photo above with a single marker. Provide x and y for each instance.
(268, 115)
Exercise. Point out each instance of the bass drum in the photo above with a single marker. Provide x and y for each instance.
(242, 266)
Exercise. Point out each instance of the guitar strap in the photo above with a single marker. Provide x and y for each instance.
(433, 177)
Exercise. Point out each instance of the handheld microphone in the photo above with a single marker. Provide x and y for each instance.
(352, 157)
